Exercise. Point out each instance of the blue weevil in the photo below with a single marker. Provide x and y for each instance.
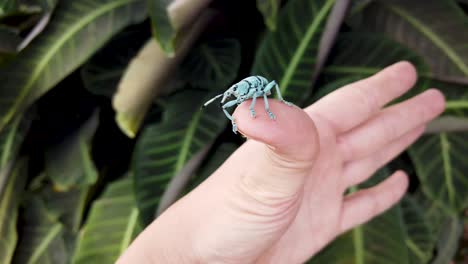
(248, 88)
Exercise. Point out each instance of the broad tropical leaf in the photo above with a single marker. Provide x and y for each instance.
(69, 163)
(101, 73)
(164, 148)
(162, 27)
(288, 55)
(42, 238)
(359, 55)
(420, 240)
(433, 30)
(380, 240)
(269, 10)
(77, 30)
(448, 240)
(212, 64)
(11, 138)
(147, 76)
(169, 17)
(440, 162)
(111, 226)
(9, 202)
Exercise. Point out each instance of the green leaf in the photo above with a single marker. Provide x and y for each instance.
(220, 155)
(433, 29)
(360, 55)
(147, 76)
(420, 240)
(164, 148)
(11, 138)
(42, 236)
(111, 226)
(9, 202)
(77, 30)
(440, 162)
(381, 240)
(448, 240)
(288, 55)
(101, 74)
(6, 6)
(162, 28)
(212, 64)
(69, 162)
(269, 10)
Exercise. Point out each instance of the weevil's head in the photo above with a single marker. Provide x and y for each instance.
(230, 92)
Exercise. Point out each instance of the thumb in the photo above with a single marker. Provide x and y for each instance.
(289, 145)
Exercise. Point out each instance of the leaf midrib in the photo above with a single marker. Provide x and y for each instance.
(132, 222)
(433, 37)
(298, 54)
(445, 147)
(39, 251)
(184, 151)
(57, 45)
(210, 58)
(7, 147)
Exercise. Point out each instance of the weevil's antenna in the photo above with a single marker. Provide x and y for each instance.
(211, 100)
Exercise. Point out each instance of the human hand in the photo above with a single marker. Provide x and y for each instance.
(280, 197)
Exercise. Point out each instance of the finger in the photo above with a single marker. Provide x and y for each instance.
(351, 105)
(360, 170)
(290, 145)
(364, 205)
(389, 124)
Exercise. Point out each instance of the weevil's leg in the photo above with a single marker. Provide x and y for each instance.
(252, 105)
(267, 107)
(233, 122)
(278, 91)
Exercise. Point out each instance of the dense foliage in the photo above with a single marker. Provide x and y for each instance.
(101, 128)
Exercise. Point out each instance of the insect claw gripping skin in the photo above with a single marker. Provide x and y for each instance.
(248, 88)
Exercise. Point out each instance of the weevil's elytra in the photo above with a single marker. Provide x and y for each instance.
(248, 88)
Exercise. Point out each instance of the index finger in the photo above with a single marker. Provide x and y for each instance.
(353, 104)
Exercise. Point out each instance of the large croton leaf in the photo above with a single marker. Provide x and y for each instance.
(420, 240)
(381, 240)
(440, 162)
(433, 29)
(164, 148)
(102, 72)
(360, 55)
(288, 55)
(269, 10)
(9, 203)
(212, 64)
(77, 29)
(111, 226)
(448, 240)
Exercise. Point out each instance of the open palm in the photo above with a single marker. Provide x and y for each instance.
(280, 197)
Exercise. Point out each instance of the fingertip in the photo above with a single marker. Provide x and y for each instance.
(437, 100)
(291, 128)
(406, 73)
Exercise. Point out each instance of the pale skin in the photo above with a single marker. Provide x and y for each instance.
(280, 198)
